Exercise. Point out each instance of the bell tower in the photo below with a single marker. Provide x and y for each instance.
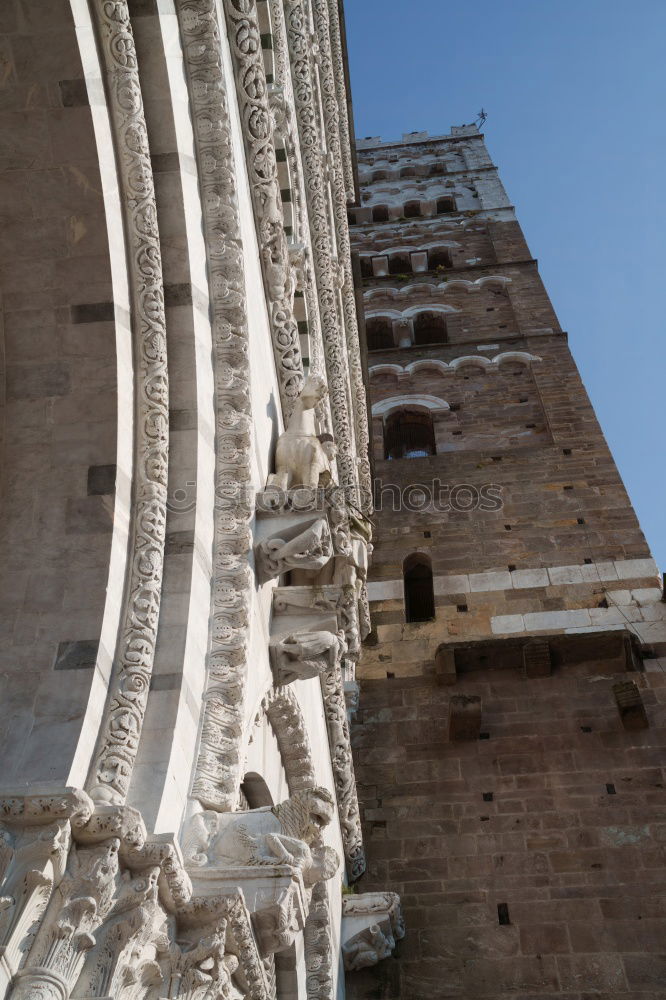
(511, 692)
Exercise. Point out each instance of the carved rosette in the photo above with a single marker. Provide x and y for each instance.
(245, 43)
(119, 736)
(217, 771)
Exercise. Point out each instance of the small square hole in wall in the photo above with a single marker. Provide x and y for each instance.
(487, 796)
(530, 426)
(502, 326)
(490, 309)
(496, 458)
(507, 527)
(586, 729)
(457, 433)
(580, 520)
(603, 603)
(484, 736)
(427, 534)
(461, 608)
(454, 407)
(566, 451)
(390, 675)
(587, 562)
(610, 788)
(569, 487)
(523, 399)
(512, 567)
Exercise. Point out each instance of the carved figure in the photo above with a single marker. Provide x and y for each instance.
(367, 948)
(310, 549)
(288, 833)
(301, 458)
(304, 654)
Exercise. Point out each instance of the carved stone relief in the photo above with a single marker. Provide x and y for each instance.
(217, 772)
(119, 735)
(245, 43)
(371, 924)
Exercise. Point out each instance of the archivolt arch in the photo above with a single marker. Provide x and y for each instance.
(424, 402)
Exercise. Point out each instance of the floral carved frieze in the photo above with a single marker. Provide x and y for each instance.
(258, 123)
(120, 732)
(217, 772)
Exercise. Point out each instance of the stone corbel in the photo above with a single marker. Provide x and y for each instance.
(293, 542)
(371, 924)
(329, 608)
(274, 895)
(304, 654)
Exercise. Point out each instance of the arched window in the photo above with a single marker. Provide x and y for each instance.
(439, 257)
(409, 434)
(379, 334)
(437, 168)
(408, 172)
(380, 213)
(419, 594)
(412, 209)
(366, 267)
(429, 328)
(379, 175)
(445, 205)
(400, 263)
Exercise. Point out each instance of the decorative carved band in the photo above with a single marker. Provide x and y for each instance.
(328, 272)
(119, 736)
(334, 105)
(280, 705)
(257, 126)
(217, 770)
(343, 770)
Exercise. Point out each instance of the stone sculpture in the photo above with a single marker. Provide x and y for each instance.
(285, 834)
(301, 457)
(310, 549)
(306, 654)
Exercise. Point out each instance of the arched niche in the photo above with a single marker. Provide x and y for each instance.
(418, 588)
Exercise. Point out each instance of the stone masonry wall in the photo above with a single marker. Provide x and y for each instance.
(506, 801)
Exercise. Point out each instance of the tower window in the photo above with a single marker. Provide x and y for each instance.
(412, 209)
(400, 263)
(409, 434)
(379, 334)
(445, 205)
(408, 172)
(429, 328)
(380, 213)
(439, 258)
(351, 218)
(419, 594)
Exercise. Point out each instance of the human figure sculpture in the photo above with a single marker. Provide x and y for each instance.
(301, 457)
(285, 834)
(305, 654)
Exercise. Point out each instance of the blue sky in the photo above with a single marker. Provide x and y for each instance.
(575, 92)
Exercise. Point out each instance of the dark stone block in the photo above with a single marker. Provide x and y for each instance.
(34, 381)
(178, 294)
(164, 682)
(73, 93)
(78, 655)
(93, 312)
(182, 420)
(101, 480)
(165, 163)
(179, 542)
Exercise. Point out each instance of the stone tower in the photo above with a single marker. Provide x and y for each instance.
(512, 691)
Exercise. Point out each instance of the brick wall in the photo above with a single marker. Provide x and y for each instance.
(554, 810)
